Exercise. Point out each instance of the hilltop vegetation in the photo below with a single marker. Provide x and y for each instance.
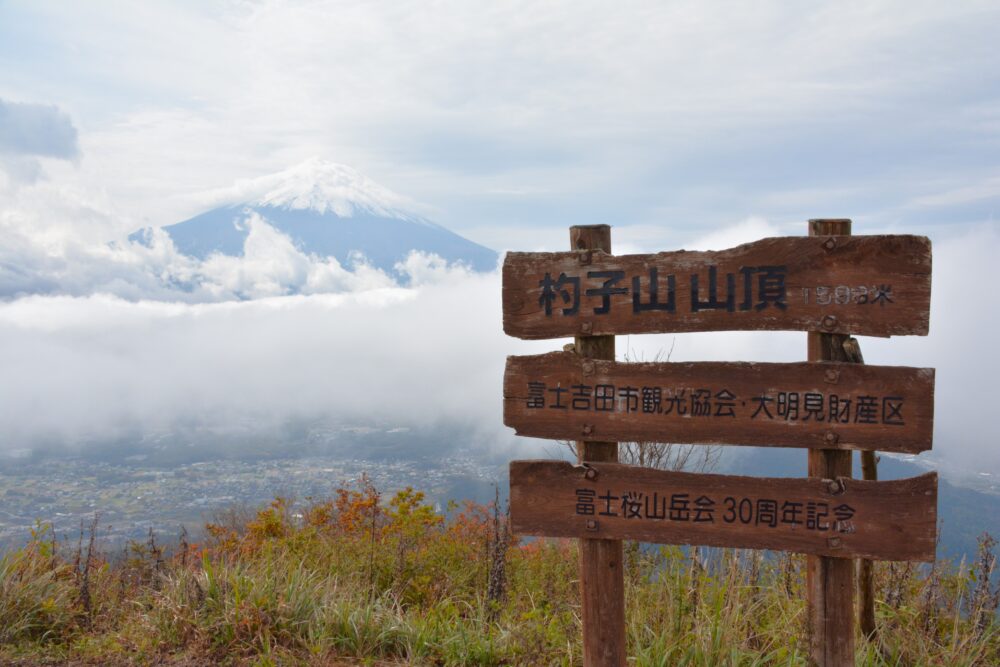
(359, 579)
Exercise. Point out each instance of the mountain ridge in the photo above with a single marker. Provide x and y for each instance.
(328, 210)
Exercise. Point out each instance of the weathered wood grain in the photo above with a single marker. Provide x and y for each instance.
(871, 285)
(602, 580)
(829, 581)
(890, 520)
(730, 393)
(866, 573)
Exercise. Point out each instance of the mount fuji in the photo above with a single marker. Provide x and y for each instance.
(327, 210)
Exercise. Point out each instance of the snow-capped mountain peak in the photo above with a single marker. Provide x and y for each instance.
(327, 210)
(322, 186)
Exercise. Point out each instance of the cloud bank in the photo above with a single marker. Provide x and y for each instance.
(668, 120)
(80, 369)
(270, 265)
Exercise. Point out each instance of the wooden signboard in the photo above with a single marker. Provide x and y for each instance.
(830, 284)
(845, 518)
(872, 285)
(562, 395)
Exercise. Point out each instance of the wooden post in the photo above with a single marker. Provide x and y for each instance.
(602, 581)
(869, 471)
(830, 581)
(866, 575)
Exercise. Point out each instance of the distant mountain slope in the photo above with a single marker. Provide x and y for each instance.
(329, 210)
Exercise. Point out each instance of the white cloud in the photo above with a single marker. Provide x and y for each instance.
(271, 265)
(688, 113)
(515, 120)
(751, 229)
(87, 368)
(42, 262)
(81, 369)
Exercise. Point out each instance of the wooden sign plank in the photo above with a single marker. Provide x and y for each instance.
(845, 518)
(871, 285)
(826, 405)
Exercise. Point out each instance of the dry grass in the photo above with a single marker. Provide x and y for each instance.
(358, 581)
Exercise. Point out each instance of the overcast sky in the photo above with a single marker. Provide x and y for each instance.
(682, 124)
